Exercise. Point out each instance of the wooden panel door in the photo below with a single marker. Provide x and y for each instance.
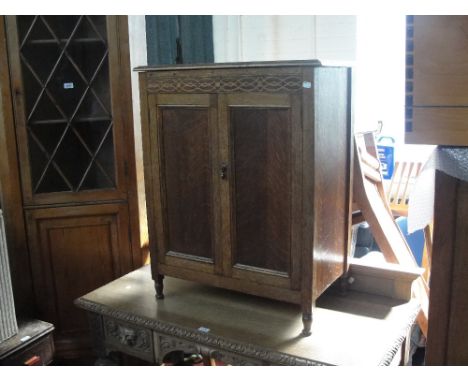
(183, 139)
(75, 250)
(260, 145)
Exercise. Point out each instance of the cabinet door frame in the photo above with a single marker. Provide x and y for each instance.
(227, 188)
(155, 177)
(118, 79)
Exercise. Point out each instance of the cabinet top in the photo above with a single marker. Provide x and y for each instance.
(231, 65)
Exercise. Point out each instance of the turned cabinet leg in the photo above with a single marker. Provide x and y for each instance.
(345, 282)
(159, 286)
(307, 322)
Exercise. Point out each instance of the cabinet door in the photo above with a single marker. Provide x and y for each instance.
(75, 250)
(261, 145)
(68, 95)
(184, 180)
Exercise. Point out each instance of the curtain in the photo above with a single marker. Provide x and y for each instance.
(179, 39)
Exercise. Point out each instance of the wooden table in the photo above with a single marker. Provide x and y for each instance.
(33, 345)
(353, 329)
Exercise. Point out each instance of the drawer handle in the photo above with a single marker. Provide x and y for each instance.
(35, 360)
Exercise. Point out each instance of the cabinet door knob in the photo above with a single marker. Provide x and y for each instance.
(223, 172)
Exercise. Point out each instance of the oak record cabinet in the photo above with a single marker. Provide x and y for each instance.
(70, 87)
(247, 171)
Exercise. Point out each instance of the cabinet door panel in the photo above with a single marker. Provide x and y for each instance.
(184, 139)
(187, 178)
(262, 172)
(75, 250)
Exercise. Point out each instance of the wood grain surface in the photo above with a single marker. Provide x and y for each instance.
(262, 160)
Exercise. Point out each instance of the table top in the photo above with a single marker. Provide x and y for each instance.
(353, 329)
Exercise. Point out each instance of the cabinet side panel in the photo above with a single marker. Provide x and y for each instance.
(443, 250)
(332, 151)
(457, 352)
(440, 56)
(437, 78)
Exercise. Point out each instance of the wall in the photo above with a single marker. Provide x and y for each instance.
(137, 40)
(263, 38)
(373, 45)
(380, 81)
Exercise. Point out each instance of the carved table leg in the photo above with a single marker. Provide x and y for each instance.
(107, 361)
(159, 285)
(307, 322)
(97, 333)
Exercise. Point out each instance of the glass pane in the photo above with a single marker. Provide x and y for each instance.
(87, 55)
(48, 134)
(67, 86)
(52, 181)
(187, 175)
(37, 32)
(101, 173)
(105, 158)
(65, 72)
(40, 162)
(62, 26)
(262, 170)
(99, 22)
(91, 107)
(73, 159)
(100, 85)
(46, 110)
(24, 24)
(40, 59)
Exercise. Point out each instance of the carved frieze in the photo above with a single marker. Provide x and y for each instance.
(249, 351)
(224, 84)
(168, 344)
(234, 359)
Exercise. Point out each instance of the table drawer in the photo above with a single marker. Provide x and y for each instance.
(42, 349)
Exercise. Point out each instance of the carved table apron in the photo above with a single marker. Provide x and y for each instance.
(238, 329)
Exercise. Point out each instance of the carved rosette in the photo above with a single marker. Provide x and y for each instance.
(225, 84)
(133, 338)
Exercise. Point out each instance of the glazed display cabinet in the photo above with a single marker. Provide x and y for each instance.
(70, 86)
